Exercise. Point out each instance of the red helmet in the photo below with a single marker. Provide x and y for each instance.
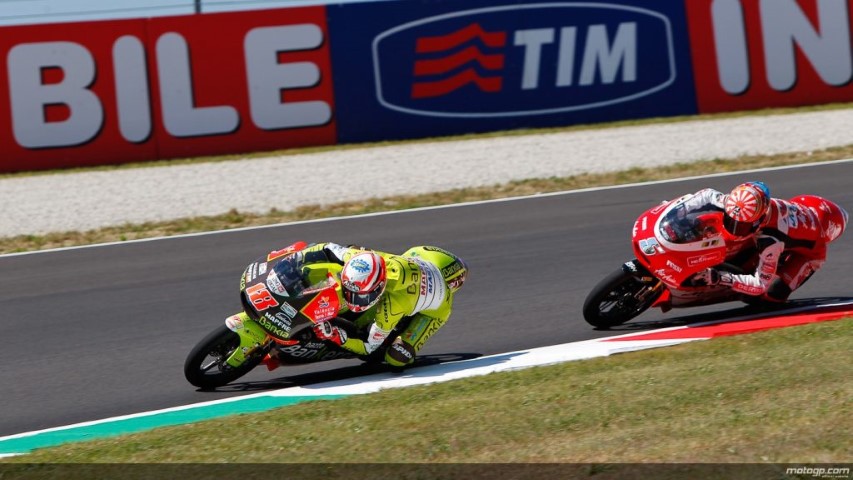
(746, 207)
(363, 280)
(833, 218)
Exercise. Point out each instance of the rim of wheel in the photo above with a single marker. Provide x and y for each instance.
(217, 358)
(614, 304)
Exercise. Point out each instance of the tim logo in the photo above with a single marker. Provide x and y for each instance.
(459, 53)
(518, 60)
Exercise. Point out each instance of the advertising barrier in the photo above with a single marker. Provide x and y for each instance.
(114, 91)
(750, 54)
(436, 68)
(82, 94)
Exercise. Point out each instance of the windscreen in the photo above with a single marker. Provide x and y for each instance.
(680, 226)
(288, 271)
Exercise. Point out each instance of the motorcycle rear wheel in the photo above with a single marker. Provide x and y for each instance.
(613, 301)
(205, 366)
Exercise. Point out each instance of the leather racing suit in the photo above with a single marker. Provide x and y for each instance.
(420, 284)
(789, 246)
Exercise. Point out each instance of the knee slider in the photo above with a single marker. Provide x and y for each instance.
(400, 353)
(779, 290)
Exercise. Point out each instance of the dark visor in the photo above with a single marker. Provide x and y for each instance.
(739, 229)
(363, 300)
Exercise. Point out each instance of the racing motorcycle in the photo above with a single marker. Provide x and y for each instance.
(671, 247)
(282, 299)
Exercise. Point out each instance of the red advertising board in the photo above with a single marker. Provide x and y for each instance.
(750, 54)
(80, 94)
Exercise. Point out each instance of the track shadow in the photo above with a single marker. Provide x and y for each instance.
(345, 373)
(746, 312)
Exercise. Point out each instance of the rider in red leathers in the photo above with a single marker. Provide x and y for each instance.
(785, 240)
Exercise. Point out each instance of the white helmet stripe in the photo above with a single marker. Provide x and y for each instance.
(374, 275)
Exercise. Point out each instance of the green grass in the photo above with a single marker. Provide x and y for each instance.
(782, 396)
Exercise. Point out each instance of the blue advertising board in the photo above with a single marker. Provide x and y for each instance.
(417, 68)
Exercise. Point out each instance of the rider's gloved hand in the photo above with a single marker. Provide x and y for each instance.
(327, 331)
(335, 252)
(711, 276)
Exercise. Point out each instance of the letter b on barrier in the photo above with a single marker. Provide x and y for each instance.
(31, 95)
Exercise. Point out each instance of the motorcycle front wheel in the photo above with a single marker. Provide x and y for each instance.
(618, 298)
(205, 366)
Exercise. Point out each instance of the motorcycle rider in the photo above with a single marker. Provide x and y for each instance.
(789, 237)
(420, 283)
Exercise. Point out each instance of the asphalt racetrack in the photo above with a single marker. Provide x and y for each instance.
(98, 332)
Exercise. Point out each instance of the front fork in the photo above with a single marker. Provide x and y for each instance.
(653, 286)
(252, 337)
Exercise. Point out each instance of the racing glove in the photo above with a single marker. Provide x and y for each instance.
(712, 277)
(334, 252)
(328, 332)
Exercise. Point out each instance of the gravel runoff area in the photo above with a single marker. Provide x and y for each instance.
(87, 200)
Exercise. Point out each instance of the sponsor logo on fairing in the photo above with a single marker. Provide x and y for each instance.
(322, 308)
(269, 323)
(665, 277)
(564, 57)
(674, 266)
(274, 283)
(251, 272)
(714, 257)
(313, 351)
(283, 320)
(288, 310)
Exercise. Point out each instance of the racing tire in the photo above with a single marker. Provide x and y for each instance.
(613, 300)
(205, 365)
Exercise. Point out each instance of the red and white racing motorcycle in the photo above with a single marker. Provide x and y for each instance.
(671, 248)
